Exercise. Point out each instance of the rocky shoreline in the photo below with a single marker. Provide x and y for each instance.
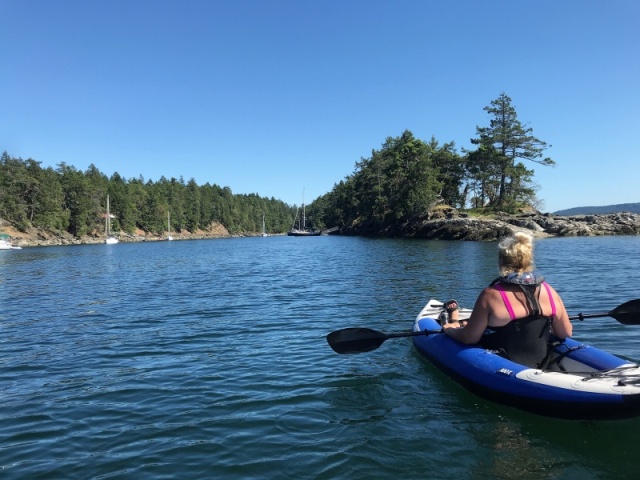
(451, 225)
(40, 238)
(446, 224)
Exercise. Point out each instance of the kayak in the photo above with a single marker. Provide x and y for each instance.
(581, 381)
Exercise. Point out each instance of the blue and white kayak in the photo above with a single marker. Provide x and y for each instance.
(585, 382)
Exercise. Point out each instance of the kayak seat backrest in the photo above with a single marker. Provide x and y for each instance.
(524, 341)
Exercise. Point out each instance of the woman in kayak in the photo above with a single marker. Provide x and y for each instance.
(516, 313)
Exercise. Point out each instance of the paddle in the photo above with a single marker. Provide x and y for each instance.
(360, 340)
(627, 314)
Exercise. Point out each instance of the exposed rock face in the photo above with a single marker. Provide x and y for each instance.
(453, 226)
(623, 223)
(41, 238)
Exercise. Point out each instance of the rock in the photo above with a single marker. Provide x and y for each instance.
(449, 225)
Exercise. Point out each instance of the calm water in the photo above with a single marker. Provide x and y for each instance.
(207, 359)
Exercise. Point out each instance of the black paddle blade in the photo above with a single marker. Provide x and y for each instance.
(628, 313)
(355, 340)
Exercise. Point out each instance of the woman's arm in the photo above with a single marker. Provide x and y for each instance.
(477, 324)
(561, 326)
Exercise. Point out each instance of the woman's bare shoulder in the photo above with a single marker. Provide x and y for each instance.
(488, 296)
(489, 293)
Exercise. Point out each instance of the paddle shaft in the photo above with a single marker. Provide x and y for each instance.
(628, 313)
(582, 316)
(412, 334)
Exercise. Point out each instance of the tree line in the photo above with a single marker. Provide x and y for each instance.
(68, 200)
(408, 176)
(404, 178)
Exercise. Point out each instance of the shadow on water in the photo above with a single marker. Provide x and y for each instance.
(528, 446)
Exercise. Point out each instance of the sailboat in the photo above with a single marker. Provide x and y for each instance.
(110, 239)
(169, 237)
(302, 231)
(264, 231)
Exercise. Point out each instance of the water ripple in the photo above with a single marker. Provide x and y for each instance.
(208, 360)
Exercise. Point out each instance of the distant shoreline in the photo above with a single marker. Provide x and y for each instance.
(447, 225)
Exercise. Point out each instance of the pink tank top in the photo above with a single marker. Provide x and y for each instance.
(507, 303)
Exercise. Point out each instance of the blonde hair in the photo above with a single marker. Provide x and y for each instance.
(515, 254)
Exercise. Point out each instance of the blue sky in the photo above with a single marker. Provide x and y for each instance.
(273, 97)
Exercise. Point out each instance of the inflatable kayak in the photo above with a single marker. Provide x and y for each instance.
(581, 382)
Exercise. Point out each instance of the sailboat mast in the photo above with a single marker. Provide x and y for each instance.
(304, 218)
(110, 239)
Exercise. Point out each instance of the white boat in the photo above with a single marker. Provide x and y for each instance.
(169, 237)
(110, 239)
(5, 243)
(264, 230)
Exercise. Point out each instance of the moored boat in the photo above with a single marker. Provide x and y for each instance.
(580, 382)
(302, 230)
(5, 243)
(304, 233)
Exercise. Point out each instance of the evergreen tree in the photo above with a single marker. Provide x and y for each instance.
(512, 141)
(192, 206)
(394, 184)
(450, 172)
(83, 214)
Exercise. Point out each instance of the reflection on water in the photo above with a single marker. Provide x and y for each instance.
(208, 359)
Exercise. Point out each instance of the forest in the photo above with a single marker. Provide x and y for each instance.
(66, 199)
(406, 177)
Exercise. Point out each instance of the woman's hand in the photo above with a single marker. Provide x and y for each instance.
(455, 324)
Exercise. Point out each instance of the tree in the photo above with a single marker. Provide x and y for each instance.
(484, 175)
(192, 206)
(451, 172)
(47, 199)
(398, 181)
(512, 141)
(121, 207)
(16, 191)
(77, 200)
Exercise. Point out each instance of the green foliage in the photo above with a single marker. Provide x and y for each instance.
(493, 172)
(403, 179)
(73, 201)
(407, 176)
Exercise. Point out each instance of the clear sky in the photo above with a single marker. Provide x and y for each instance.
(276, 96)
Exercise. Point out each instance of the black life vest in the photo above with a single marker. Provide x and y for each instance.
(523, 340)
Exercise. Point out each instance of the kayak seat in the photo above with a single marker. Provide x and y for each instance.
(524, 341)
